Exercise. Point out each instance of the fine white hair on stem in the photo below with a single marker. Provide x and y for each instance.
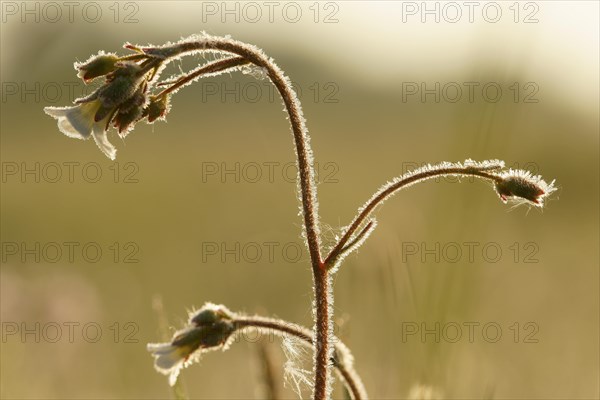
(294, 373)
(429, 171)
(355, 243)
(294, 336)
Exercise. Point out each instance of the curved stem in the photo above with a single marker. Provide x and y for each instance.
(352, 381)
(321, 279)
(283, 85)
(392, 188)
(341, 360)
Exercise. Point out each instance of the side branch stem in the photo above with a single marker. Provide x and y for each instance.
(389, 190)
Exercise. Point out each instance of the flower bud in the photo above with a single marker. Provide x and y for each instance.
(129, 112)
(157, 108)
(123, 121)
(210, 314)
(121, 84)
(206, 336)
(518, 185)
(96, 66)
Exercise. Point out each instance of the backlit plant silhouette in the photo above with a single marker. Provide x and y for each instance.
(133, 92)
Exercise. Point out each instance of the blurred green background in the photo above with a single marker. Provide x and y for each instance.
(353, 62)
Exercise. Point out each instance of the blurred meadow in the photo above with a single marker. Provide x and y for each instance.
(455, 294)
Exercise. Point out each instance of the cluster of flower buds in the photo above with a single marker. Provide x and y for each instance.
(209, 328)
(121, 101)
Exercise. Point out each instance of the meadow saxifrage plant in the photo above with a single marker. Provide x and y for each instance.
(132, 92)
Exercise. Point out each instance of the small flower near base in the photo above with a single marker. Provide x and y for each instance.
(208, 329)
(170, 358)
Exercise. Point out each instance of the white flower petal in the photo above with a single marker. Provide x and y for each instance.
(76, 122)
(173, 376)
(102, 142)
(166, 356)
(168, 359)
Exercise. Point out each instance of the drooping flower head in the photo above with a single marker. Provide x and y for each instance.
(120, 102)
(122, 95)
(129, 93)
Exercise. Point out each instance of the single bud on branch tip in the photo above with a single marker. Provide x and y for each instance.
(522, 186)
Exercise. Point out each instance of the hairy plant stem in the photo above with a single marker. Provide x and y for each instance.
(323, 328)
(321, 278)
(340, 360)
(390, 189)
